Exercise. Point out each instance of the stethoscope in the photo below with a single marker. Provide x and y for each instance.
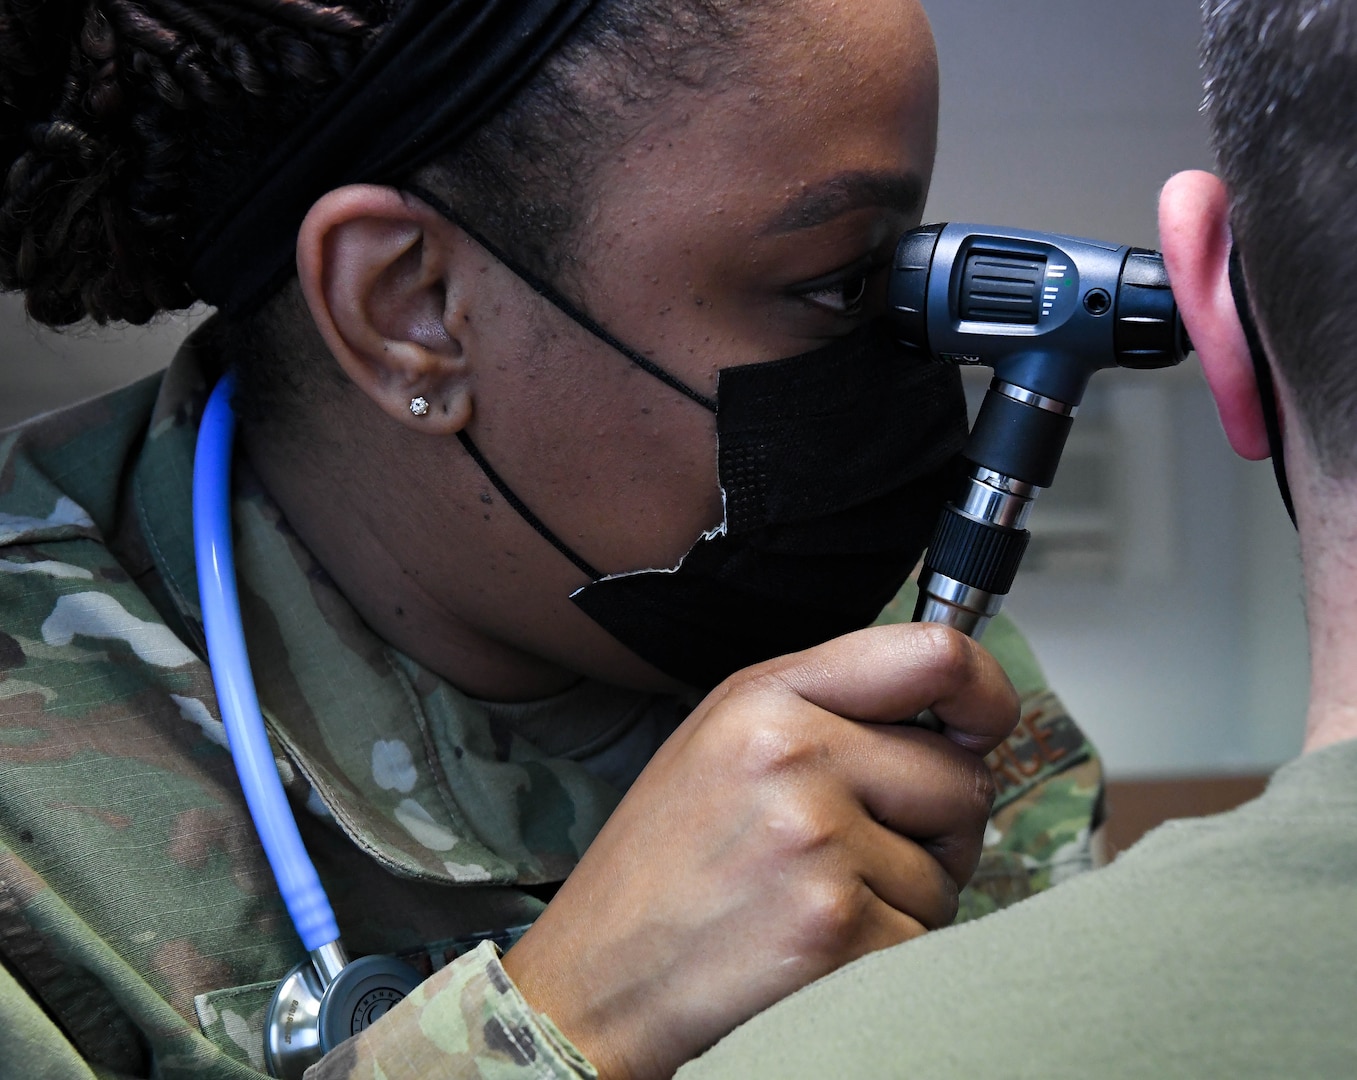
(326, 998)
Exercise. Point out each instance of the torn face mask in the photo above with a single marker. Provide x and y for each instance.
(833, 467)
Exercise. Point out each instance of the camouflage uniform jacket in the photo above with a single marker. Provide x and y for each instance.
(140, 928)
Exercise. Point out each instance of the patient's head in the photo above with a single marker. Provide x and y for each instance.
(1281, 95)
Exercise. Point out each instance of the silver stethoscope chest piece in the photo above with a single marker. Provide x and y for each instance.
(326, 998)
(305, 1021)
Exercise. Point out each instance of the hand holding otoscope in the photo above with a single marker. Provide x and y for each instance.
(1045, 312)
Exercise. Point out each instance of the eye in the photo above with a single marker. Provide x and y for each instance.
(846, 292)
(844, 298)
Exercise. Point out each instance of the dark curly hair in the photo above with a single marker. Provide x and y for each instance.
(114, 113)
(1282, 102)
(123, 122)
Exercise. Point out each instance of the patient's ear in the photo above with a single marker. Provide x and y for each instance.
(383, 278)
(1194, 231)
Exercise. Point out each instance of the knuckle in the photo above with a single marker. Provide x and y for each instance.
(950, 653)
(949, 905)
(828, 915)
(794, 828)
(985, 790)
(772, 744)
(975, 790)
(958, 859)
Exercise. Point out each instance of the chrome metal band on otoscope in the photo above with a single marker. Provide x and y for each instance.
(1045, 312)
(326, 998)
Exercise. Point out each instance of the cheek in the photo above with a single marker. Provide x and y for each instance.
(619, 466)
(643, 484)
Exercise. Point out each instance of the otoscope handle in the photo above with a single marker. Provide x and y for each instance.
(976, 550)
(1014, 449)
(978, 554)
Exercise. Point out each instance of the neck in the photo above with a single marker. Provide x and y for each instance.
(1327, 512)
(1332, 715)
(352, 524)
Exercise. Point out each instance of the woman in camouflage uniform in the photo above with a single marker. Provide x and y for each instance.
(477, 267)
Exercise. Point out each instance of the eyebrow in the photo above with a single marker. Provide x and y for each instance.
(848, 191)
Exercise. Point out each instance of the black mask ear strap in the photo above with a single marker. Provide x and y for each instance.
(552, 296)
(521, 508)
(1262, 370)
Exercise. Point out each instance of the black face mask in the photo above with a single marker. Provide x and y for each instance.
(833, 468)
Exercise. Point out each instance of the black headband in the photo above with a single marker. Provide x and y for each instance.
(438, 69)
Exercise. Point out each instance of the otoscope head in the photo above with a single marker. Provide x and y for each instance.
(1044, 311)
(1150, 332)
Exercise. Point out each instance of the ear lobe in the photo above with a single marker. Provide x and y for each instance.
(375, 269)
(1194, 230)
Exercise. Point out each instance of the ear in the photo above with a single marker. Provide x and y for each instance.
(1194, 230)
(377, 272)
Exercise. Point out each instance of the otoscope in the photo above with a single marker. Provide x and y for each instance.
(1045, 312)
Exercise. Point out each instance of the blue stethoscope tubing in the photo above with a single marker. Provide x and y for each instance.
(298, 881)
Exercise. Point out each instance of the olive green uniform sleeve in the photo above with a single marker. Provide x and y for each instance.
(469, 1020)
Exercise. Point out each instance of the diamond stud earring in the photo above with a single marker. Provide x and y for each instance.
(419, 405)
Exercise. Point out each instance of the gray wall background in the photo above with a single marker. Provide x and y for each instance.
(1182, 648)
(1190, 654)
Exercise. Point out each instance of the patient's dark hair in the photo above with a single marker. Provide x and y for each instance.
(123, 122)
(1281, 94)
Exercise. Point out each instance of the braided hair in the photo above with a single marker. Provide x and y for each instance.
(124, 123)
(103, 141)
